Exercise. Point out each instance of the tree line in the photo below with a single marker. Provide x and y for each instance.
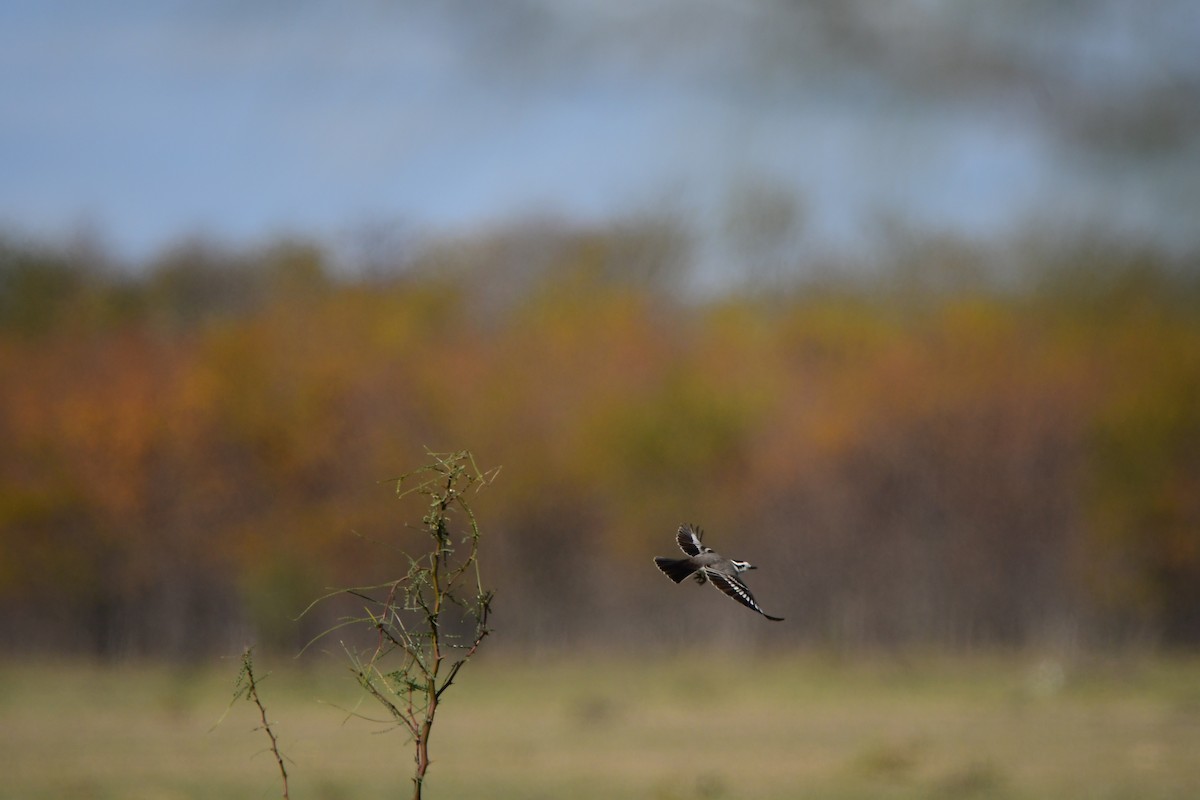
(931, 452)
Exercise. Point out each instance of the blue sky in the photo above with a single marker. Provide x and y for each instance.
(153, 121)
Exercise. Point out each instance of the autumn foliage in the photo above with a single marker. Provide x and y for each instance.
(194, 450)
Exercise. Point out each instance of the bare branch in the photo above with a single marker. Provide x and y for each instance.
(410, 619)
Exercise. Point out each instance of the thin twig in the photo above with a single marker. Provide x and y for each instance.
(408, 617)
(247, 687)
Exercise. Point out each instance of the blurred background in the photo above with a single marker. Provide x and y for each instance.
(900, 302)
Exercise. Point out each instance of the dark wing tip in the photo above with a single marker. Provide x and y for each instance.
(689, 539)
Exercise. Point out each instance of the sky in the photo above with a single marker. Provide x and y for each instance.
(151, 122)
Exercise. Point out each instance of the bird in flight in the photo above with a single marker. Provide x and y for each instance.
(709, 566)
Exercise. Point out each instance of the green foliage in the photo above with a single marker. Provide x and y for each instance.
(37, 287)
(417, 617)
(1145, 472)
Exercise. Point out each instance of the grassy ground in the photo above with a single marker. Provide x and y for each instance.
(811, 726)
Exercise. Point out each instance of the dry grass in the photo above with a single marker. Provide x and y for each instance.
(775, 727)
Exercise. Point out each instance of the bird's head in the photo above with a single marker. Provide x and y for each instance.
(742, 566)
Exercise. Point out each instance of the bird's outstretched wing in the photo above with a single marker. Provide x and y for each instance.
(678, 568)
(738, 591)
(689, 540)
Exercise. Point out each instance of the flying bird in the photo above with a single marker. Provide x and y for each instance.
(709, 566)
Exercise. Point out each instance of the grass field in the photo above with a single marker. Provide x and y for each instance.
(796, 726)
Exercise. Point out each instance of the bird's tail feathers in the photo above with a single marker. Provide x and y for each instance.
(677, 569)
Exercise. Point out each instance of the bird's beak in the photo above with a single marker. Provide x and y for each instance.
(751, 566)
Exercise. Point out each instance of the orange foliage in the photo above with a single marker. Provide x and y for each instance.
(939, 471)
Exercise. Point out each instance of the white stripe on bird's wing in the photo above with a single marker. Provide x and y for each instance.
(689, 540)
(734, 588)
(738, 591)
